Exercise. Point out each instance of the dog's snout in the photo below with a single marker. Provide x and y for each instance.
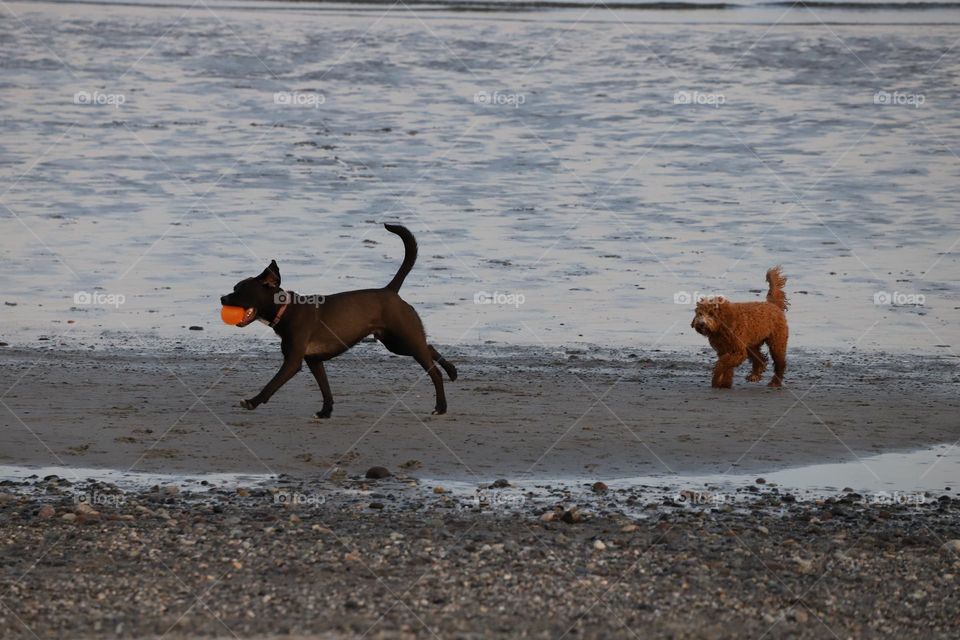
(223, 300)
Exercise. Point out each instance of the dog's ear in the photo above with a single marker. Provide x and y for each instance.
(270, 275)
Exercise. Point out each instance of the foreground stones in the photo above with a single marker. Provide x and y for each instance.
(611, 565)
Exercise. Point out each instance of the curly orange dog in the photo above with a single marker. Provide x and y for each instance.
(737, 330)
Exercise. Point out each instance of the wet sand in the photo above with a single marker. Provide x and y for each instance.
(517, 413)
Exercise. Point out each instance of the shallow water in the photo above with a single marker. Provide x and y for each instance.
(934, 470)
(135, 480)
(902, 476)
(886, 478)
(584, 188)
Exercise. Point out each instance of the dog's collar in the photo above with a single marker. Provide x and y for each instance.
(282, 310)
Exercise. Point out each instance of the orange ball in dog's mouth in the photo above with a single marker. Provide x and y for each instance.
(237, 316)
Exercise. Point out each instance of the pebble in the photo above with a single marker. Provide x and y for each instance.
(549, 516)
(376, 473)
(951, 547)
(572, 516)
(599, 545)
(439, 490)
(68, 517)
(85, 509)
(46, 512)
(761, 481)
(804, 566)
(500, 484)
(599, 487)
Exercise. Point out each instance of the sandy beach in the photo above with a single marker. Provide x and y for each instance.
(514, 413)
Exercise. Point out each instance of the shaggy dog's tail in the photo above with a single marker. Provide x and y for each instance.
(776, 295)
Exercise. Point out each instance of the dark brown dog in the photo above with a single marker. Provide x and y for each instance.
(737, 330)
(317, 328)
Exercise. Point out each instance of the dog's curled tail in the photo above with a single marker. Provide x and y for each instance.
(776, 295)
(409, 254)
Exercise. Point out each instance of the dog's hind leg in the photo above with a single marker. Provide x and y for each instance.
(416, 346)
(778, 351)
(320, 373)
(443, 362)
(723, 371)
(426, 361)
(759, 362)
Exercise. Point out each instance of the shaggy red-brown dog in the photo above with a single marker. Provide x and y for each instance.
(737, 330)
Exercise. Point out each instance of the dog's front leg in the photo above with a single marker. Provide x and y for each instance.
(316, 367)
(723, 371)
(718, 371)
(292, 359)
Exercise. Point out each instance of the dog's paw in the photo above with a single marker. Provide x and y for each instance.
(248, 404)
(438, 412)
(775, 384)
(753, 377)
(323, 415)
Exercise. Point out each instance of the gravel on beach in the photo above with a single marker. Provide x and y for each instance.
(396, 559)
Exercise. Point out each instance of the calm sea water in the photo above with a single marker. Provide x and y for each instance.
(574, 175)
